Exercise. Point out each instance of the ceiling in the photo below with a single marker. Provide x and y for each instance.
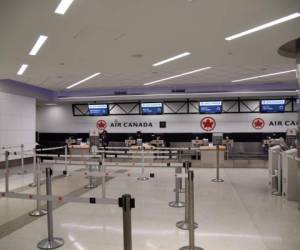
(122, 39)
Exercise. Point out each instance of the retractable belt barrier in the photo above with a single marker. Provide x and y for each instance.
(190, 205)
(125, 202)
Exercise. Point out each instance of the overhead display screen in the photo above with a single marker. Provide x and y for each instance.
(211, 107)
(98, 109)
(152, 108)
(272, 106)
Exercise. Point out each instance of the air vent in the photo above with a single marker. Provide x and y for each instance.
(120, 92)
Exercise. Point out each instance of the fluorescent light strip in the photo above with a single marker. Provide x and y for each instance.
(263, 76)
(176, 76)
(171, 59)
(264, 26)
(63, 6)
(83, 80)
(38, 44)
(22, 69)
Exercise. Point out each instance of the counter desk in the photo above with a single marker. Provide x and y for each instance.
(209, 156)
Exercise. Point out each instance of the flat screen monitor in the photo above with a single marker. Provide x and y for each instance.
(98, 109)
(210, 107)
(272, 106)
(148, 108)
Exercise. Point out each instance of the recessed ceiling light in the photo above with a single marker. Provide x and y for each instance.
(38, 44)
(84, 80)
(50, 104)
(264, 26)
(22, 69)
(263, 76)
(63, 6)
(171, 59)
(176, 76)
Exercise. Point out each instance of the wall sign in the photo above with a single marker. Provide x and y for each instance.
(101, 125)
(59, 119)
(258, 123)
(208, 123)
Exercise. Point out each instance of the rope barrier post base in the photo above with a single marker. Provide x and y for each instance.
(127, 203)
(143, 178)
(51, 242)
(55, 243)
(218, 179)
(38, 213)
(188, 248)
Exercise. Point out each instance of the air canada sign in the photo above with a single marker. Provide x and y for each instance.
(126, 124)
(259, 123)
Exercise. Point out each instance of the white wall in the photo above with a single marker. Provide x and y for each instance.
(60, 119)
(17, 121)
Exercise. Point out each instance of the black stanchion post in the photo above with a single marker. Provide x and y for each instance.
(127, 203)
(51, 242)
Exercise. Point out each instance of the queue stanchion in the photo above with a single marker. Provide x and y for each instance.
(143, 177)
(66, 160)
(6, 171)
(185, 224)
(22, 160)
(103, 177)
(218, 179)
(181, 189)
(51, 242)
(33, 184)
(90, 178)
(177, 203)
(190, 204)
(127, 203)
(38, 211)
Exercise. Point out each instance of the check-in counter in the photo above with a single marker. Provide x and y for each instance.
(82, 149)
(209, 156)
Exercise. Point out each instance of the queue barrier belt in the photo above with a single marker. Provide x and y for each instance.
(60, 198)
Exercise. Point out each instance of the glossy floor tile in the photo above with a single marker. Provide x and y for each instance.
(239, 214)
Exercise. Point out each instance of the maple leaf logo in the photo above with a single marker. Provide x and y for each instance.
(208, 123)
(258, 123)
(101, 124)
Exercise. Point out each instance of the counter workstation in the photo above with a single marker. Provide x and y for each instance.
(82, 149)
(209, 156)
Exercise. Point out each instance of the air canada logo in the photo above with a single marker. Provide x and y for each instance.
(208, 123)
(258, 123)
(101, 125)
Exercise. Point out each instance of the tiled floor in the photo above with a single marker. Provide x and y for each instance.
(239, 214)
